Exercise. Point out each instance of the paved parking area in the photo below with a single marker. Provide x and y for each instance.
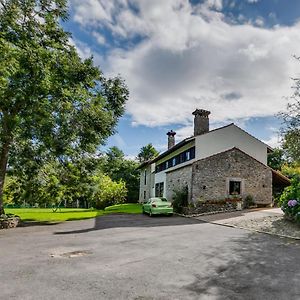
(138, 257)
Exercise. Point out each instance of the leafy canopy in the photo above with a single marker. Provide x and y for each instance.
(118, 167)
(53, 104)
(147, 153)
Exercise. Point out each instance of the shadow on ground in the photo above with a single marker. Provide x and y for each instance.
(29, 223)
(133, 220)
(254, 273)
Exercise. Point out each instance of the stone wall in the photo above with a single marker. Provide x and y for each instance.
(211, 176)
(178, 179)
(9, 221)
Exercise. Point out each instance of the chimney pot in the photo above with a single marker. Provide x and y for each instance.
(201, 121)
(171, 139)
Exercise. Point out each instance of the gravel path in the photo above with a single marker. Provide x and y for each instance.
(268, 220)
(272, 224)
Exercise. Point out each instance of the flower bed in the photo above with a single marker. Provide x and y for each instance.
(291, 209)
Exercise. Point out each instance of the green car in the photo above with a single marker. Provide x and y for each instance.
(157, 206)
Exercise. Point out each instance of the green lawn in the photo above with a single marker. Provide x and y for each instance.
(68, 214)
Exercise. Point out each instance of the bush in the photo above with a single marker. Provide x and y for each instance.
(110, 193)
(248, 201)
(291, 209)
(291, 192)
(180, 199)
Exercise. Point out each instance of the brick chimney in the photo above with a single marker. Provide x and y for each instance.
(201, 121)
(171, 139)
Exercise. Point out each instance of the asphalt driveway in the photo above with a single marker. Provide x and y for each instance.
(138, 257)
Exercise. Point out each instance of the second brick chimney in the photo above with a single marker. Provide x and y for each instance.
(201, 121)
(171, 139)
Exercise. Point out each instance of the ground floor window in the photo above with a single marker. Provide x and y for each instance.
(144, 195)
(234, 187)
(159, 189)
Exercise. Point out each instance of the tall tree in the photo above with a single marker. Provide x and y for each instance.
(119, 168)
(146, 153)
(291, 126)
(276, 159)
(52, 104)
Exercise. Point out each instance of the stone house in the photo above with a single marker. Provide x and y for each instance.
(212, 165)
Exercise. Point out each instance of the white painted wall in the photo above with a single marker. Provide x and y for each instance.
(143, 186)
(226, 138)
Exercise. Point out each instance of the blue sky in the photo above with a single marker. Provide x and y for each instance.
(231, 57)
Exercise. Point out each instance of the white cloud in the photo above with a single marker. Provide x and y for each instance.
(259, 21)
(216, 4)
(190, 57)
(83, 49)
(95, 11)
(99, 38)
(273, 141)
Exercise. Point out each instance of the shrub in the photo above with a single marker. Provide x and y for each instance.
(291, 192)
(180, 199)
(110, 193)
(248, 201)
(291, 209)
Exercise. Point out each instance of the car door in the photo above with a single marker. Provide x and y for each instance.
(147, 206)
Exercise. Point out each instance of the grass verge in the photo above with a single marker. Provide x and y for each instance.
(69, 214)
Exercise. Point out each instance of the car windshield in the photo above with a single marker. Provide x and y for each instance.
(164, 199)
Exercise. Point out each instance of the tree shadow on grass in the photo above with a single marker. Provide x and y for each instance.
(133, 220)
(257, 267)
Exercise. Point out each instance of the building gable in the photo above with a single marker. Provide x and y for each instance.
(227, 137)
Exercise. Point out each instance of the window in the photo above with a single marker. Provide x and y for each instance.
(144, 194)
(192, 153)
(173, 161)
(234, 187)
(159, 189)
(145, 177)
(176, 160)
(187, 155)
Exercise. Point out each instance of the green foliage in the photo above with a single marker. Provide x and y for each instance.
(109, 193)
(54, 106)
(291, 209)
(147, 153)
(291, 144)
(291, 170)
(180, 199)
(291, 192)
(276, 159)
(248, 201)
(117, 167)
(291, 128)
(80, 181)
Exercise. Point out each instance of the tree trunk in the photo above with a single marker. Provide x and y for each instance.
(3, 167)
(6, 142)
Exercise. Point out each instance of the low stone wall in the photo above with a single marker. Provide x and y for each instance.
(9, 221)
(210, 207)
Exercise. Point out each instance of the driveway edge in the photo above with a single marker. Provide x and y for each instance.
(240, 227)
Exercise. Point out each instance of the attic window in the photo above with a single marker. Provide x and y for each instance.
(234, 187)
